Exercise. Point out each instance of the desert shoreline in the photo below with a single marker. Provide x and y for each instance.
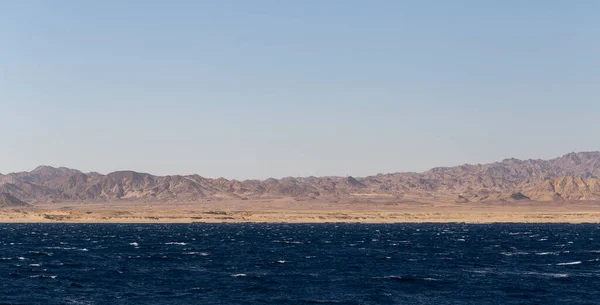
(291, 211)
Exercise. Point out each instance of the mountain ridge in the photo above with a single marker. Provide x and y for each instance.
(571, 177)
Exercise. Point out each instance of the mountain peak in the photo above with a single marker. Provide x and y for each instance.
(48, 168)
(43, 168)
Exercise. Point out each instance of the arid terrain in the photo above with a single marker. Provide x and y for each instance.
(565, 189)
(289, 211)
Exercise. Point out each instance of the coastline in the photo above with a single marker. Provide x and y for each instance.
(291, 211)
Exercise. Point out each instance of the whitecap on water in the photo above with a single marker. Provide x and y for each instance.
(569, 263)
(239, 275)
(388, 277)
(520, 233)
(135, 244)
(593, 260)
(545, 274)
(43, 276)
(514, 253)
(176, 243)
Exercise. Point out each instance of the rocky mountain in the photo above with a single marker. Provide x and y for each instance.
(572, 177)
(7, 200)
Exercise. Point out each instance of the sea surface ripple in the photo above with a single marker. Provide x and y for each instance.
(299, 264)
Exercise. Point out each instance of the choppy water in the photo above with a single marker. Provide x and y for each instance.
(299, 264)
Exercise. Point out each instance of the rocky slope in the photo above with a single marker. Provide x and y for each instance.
(7, 200)
(568, 178)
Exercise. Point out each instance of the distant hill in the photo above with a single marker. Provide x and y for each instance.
(571, 177)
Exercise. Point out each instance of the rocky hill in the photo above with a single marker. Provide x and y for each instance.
(571, 177)
(7, 200)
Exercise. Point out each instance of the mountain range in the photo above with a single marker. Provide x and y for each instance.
(572, 177)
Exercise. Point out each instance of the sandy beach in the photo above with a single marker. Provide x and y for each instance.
(311, 211)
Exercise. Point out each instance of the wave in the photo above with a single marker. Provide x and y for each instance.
(545, 274)
(569, 263)
(514, 253)
(405, 278)
(43, 276)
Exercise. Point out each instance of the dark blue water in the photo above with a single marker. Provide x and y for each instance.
(299, 264)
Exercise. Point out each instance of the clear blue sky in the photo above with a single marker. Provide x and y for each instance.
(251, 89)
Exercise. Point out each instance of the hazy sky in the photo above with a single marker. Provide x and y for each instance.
(251, 89)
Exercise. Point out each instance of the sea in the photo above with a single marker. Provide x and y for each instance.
(299, 264)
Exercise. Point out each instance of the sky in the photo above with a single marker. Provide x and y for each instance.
(257, 89)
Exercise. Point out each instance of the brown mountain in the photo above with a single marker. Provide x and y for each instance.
(571, 177)
(7, 200)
